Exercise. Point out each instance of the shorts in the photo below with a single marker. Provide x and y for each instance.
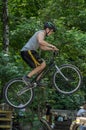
(32, 58)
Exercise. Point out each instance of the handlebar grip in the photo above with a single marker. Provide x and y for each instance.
(55, 53)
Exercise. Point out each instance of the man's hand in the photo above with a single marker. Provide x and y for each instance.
(54, 48)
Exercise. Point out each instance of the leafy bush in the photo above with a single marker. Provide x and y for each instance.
(23, 32)
(10, 67)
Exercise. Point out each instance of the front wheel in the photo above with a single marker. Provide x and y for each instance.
(68, 79)
(17, 94)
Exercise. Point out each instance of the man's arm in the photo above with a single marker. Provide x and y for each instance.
(48, 48)
(43, 44)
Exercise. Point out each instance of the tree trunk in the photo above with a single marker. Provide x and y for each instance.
(5, 26)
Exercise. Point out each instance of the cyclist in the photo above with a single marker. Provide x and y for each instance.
(81, 113)
(29, 51)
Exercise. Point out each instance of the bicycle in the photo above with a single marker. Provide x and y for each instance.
(67, 79)
(79, 122)
(43, 123)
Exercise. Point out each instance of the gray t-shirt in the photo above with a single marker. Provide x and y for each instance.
(32, 44)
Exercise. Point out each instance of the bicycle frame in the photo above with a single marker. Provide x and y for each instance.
(43, 73)
(49, 66)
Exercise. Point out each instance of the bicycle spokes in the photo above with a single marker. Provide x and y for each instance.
(73, 81)
(18, 93)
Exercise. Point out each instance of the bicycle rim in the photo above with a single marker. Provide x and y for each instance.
(17, 94)
(73, 83)
(38, 125)
(45, 124)
(75, 126)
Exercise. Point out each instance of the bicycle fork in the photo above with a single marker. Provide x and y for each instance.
(59, 71)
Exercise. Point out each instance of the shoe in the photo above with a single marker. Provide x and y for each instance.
(26, 79)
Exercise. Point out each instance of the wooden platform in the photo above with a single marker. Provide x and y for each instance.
(5, 120)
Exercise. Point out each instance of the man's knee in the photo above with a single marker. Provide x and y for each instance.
(43, 65)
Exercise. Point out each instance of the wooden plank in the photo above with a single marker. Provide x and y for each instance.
(5, 126)
(5, 119)
(2, 111)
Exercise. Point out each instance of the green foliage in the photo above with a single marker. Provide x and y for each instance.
(75, 50)
(19, 10)
(70, 13)
(66, 102)
(23, 32)
(1, 27)
(10, 67)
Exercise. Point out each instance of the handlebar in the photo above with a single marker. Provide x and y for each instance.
(55, 53)
(52, 57)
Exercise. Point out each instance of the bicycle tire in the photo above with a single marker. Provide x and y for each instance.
(41, 127)
(45, 124)
(72, 73)
(74, 126)
(15, 94)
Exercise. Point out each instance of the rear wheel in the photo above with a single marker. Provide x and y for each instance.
(17, 94)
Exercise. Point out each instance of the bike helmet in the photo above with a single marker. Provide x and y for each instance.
(50, 26)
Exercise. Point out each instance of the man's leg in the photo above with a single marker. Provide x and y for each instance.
(33, 60)
(37, 69)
